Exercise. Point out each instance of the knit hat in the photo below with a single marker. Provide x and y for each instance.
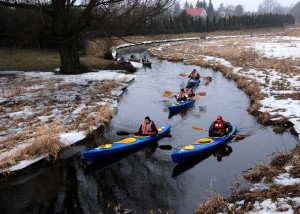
(147, 118)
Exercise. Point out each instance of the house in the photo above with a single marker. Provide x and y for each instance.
(196, 12)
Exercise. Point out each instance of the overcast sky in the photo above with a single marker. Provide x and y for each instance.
(249, 5)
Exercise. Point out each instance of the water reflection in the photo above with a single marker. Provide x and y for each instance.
(106, 161)
(219, 153)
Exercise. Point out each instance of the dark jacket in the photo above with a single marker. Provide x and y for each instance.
(213, 133)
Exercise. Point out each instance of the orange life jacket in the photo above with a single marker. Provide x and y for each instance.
(146, 128)
(181, 95)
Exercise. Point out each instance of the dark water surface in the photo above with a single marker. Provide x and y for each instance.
(147, 179)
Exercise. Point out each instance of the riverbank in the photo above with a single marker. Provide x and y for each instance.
(267, 68)
(63, 94)
(42, 113)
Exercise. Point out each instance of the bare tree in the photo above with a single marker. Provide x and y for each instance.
(295, 11)
(66, 19)
(268, 6)
(239, 10)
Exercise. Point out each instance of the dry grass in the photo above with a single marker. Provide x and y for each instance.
(273, 193)
(107, 85)
(216, 205)
(46, 143)
(19, 129)
(261, 172)
(238, 53)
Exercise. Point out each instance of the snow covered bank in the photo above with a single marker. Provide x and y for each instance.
(78, 103)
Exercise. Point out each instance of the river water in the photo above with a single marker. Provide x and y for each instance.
(147, 180)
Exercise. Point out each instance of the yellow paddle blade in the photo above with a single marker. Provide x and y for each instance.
(238, 137)
(196, 98)
(189, 147)
(202, 93)
(105, 146)
(204, 140)
(198, 128)
(183, 75)
(127, 140)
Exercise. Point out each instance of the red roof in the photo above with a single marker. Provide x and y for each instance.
(194, 11)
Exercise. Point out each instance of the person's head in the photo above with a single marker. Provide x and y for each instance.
(194, 70)
(187, 87)
(147, 120)
(182, 90)
(219, 118)
(219, 157)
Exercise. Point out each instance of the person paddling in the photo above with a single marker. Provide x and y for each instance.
(182, 96)
(189, 91)
(194, 75)
(147, 128)
(219, 128)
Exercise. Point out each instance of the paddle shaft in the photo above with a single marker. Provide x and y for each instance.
(202, 129)
(128, 133)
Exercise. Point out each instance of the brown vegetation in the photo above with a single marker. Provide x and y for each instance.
(236, 51)
(52, 94)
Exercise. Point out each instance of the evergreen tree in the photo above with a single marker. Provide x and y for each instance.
(204, 5)
(177, 9)
(210, 8)
(186, 5)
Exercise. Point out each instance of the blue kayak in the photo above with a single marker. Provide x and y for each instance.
(202, 145)
(123, 145)
(193, 82)
(180, 104)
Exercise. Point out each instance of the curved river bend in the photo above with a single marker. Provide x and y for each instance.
(147, 179)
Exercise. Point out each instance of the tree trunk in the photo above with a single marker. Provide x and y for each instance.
(70, 63)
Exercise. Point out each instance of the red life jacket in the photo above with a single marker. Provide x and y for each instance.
(146, 128)
(181, 95)
(219, 127)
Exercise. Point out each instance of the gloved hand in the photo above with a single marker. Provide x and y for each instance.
(153, 134)
(135, 133)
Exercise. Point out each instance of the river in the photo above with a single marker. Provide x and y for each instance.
(147, 180)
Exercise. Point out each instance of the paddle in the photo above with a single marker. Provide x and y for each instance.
(128, 133)
(168, 93)
(208, 78)
(238, 137)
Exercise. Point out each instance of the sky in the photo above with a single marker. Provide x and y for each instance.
(248, 5)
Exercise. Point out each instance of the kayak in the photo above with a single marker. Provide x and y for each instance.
(202, 145)
(180, 104)
(193, 82)
(123, 145)
(147, 63)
